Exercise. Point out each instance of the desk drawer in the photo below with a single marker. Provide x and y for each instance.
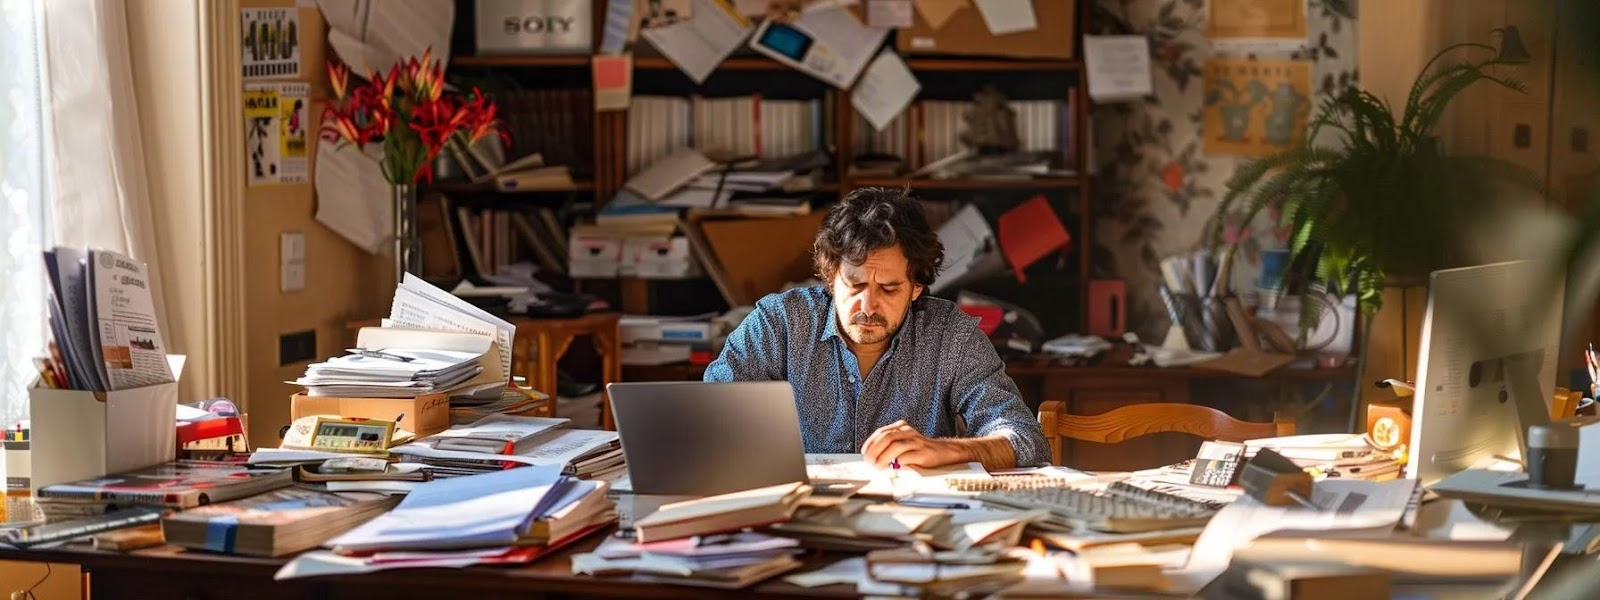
(106, 584)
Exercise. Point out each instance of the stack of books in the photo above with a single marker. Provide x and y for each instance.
(731, 561)
(696, 542)
(499, 442)
(179, 484)
(276, 523)
(508, 516)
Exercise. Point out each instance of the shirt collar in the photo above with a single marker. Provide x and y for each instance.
(830, 327)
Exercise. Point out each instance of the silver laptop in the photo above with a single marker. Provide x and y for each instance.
(699, 439)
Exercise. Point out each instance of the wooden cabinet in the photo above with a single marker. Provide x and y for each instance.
(46, 581)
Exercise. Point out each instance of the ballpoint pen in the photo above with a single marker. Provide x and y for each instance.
(380, 354)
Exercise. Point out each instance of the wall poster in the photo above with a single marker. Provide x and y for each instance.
(1255, 107)
(275, 125)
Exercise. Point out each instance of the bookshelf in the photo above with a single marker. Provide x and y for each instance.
(1057, 286)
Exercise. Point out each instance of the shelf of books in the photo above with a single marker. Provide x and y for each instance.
(757, 138)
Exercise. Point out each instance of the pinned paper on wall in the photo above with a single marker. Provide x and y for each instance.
(271, 42)
(1008, 16)
(891, 14)
(613, 82)
(621, 27)
(1118, 67)
(698, 45)
(661, 13)
(1256, 19)
(1255, 107)
(275, 132)
(939, 12)
(886, 89)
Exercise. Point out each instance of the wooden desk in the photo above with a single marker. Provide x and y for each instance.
(170, 572)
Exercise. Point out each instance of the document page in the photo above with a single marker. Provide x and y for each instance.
(698, 45)
(419, 305)
(129, 338)
(885, 90)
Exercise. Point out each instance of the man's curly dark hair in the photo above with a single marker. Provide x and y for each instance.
(870, 219)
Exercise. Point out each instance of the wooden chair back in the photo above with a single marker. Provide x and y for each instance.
(1133, 421)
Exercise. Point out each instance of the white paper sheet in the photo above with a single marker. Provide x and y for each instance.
(1118, 66)
(371, 36)
(419, 305)
(353, 198)
(126, 332)
(1349, 505)
(892, 14)
(1008, 16)
(885, 90)
(698, 45)
(841, 45)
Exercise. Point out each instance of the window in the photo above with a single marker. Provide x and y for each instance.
(24, 211)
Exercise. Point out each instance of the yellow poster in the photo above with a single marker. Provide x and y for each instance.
(1256, 19)
(275, 132)
(1255, 107)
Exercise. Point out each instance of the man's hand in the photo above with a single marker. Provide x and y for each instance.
(899, 441)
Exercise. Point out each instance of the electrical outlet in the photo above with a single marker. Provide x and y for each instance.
(291, 261)
(297, 347)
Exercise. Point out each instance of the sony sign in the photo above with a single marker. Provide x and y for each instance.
(535, 26)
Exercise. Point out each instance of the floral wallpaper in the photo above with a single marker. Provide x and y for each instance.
(1155, 188)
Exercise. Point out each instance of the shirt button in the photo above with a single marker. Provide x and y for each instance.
(852, 379)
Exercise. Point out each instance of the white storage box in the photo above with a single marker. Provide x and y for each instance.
(79, 435)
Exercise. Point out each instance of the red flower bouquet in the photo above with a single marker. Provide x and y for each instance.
(408, 112)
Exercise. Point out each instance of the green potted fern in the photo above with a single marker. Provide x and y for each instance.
(1369, 198)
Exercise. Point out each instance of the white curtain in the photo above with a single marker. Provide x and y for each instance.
(24, 213)
(101, 195)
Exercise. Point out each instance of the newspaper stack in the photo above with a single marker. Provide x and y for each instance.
(103, 322)
(390, 373)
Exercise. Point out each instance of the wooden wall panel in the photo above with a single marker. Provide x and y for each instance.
(342, 281)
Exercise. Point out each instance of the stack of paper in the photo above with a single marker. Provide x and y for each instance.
(390, 373)
(497, 434)
(507, 516)
(723, 561)
(1340, 455)
(420, 305)
(106, 333)
(583, 453)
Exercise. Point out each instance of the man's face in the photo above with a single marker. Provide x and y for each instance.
(871, 299)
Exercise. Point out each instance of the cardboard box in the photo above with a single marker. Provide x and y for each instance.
(659, 259)
(535, 26)
(424, 415)
(760, 256)
(966, 33)
(76, 434)
(594, 257)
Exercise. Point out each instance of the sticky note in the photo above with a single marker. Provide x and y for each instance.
(613, 81)
(889, 14)
(1008, 16)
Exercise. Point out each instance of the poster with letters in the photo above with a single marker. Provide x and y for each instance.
(1255, 107)
(275, 122)
(270, 40)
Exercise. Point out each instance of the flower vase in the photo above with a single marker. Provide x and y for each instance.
(407, 256)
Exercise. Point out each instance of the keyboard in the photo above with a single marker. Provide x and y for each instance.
(1119, 508)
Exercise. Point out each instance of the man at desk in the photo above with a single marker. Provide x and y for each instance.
(878, 366)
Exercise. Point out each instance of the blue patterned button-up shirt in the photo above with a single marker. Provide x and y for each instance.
(938, 368)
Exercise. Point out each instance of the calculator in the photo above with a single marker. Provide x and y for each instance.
(1218, 464)
(340, 434)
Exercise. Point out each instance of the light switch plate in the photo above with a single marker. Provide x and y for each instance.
(291, 261)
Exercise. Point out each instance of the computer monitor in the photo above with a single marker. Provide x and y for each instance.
(700, 439)
(1486, 368)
